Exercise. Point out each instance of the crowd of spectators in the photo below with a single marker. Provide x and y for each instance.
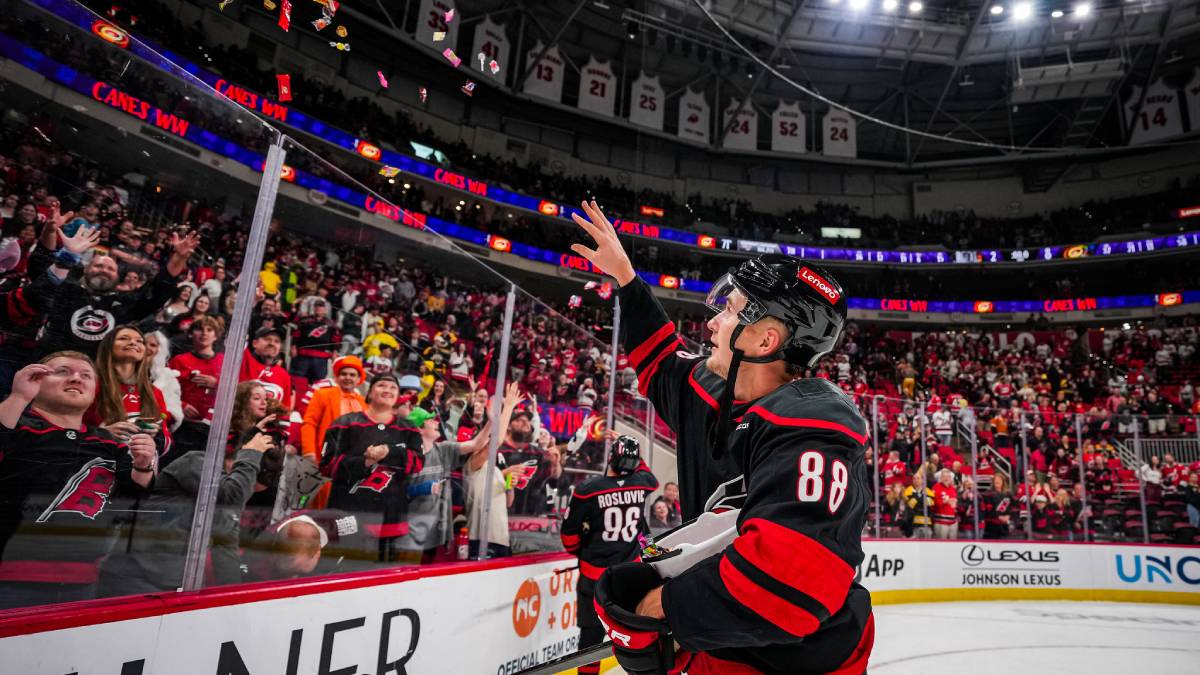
(326, 162)
(360, 422)
(963, 418)
(365, 117)
(360, 426)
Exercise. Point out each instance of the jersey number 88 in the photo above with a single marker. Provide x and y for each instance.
(811, 486)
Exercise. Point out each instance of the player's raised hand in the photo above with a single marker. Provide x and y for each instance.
(608, 255)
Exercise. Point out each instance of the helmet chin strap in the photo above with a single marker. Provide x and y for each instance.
(726, 404)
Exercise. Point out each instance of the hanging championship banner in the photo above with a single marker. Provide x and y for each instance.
(647, 102)
(788, 129)
(492, 42)
(598, 87)
(432, 24)
(1192, 92)
(740, 133)
(546, 78)
(1159, 117)
(839, 135)
(693, 116)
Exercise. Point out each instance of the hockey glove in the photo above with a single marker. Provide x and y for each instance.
(640, 643)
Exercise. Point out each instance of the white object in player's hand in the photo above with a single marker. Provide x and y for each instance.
(690, 543)
(608, 255)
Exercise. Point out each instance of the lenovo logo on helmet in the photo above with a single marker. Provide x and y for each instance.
(824, 287)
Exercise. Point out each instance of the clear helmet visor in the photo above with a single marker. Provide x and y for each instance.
(727, 296)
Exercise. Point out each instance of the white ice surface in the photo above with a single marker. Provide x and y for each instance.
(1036, 638)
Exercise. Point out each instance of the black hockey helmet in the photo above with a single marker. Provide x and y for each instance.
(626, 455)
(809, 301)
(806, 298)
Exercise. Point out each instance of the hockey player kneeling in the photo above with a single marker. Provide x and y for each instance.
(605, 520)
(786, 450)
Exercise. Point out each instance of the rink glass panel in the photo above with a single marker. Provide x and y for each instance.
(140, 153)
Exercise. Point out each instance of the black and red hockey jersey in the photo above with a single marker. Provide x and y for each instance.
(782, 597)
(995, 505)
(379, 488)
(316, 337)
(57, 492)
(604, 519)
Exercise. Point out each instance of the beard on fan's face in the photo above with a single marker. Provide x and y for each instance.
(100, 281)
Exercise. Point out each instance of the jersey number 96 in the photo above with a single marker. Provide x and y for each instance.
(621, 524)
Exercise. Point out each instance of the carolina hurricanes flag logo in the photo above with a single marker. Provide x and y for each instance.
(820, 284)
(285, 87)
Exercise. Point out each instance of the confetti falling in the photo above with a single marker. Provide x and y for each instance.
(340, 46)
(269, 5)
(321, 23)
(389, 171)
(575, 302)
(382, 80)
(439, 35)
(494, 66)
(423, 93)
(285, 15)
(342, 32)
(223, 4)
(451, 57)
(469, 88)
(482, 59)
(449, 15)
(284, 82)
(604, 290)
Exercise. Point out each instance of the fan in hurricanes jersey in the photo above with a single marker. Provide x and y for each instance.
(62, 483)
(369, 455)
(264, 365)
(754, 434)
(603, 522)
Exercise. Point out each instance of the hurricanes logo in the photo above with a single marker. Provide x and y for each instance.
(271, 389)
(110, 33)
(86, 493)
(319, 331)
(378, 481)
(91, 324)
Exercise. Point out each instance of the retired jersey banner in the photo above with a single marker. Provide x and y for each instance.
(647, 102)
(492, 42)
(598, 87)
(1192, 94)
(788, 129)
(740, 124)
(839, 134)
(432, 24)
(546, 78)
(1159, 117)
(693, 116)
